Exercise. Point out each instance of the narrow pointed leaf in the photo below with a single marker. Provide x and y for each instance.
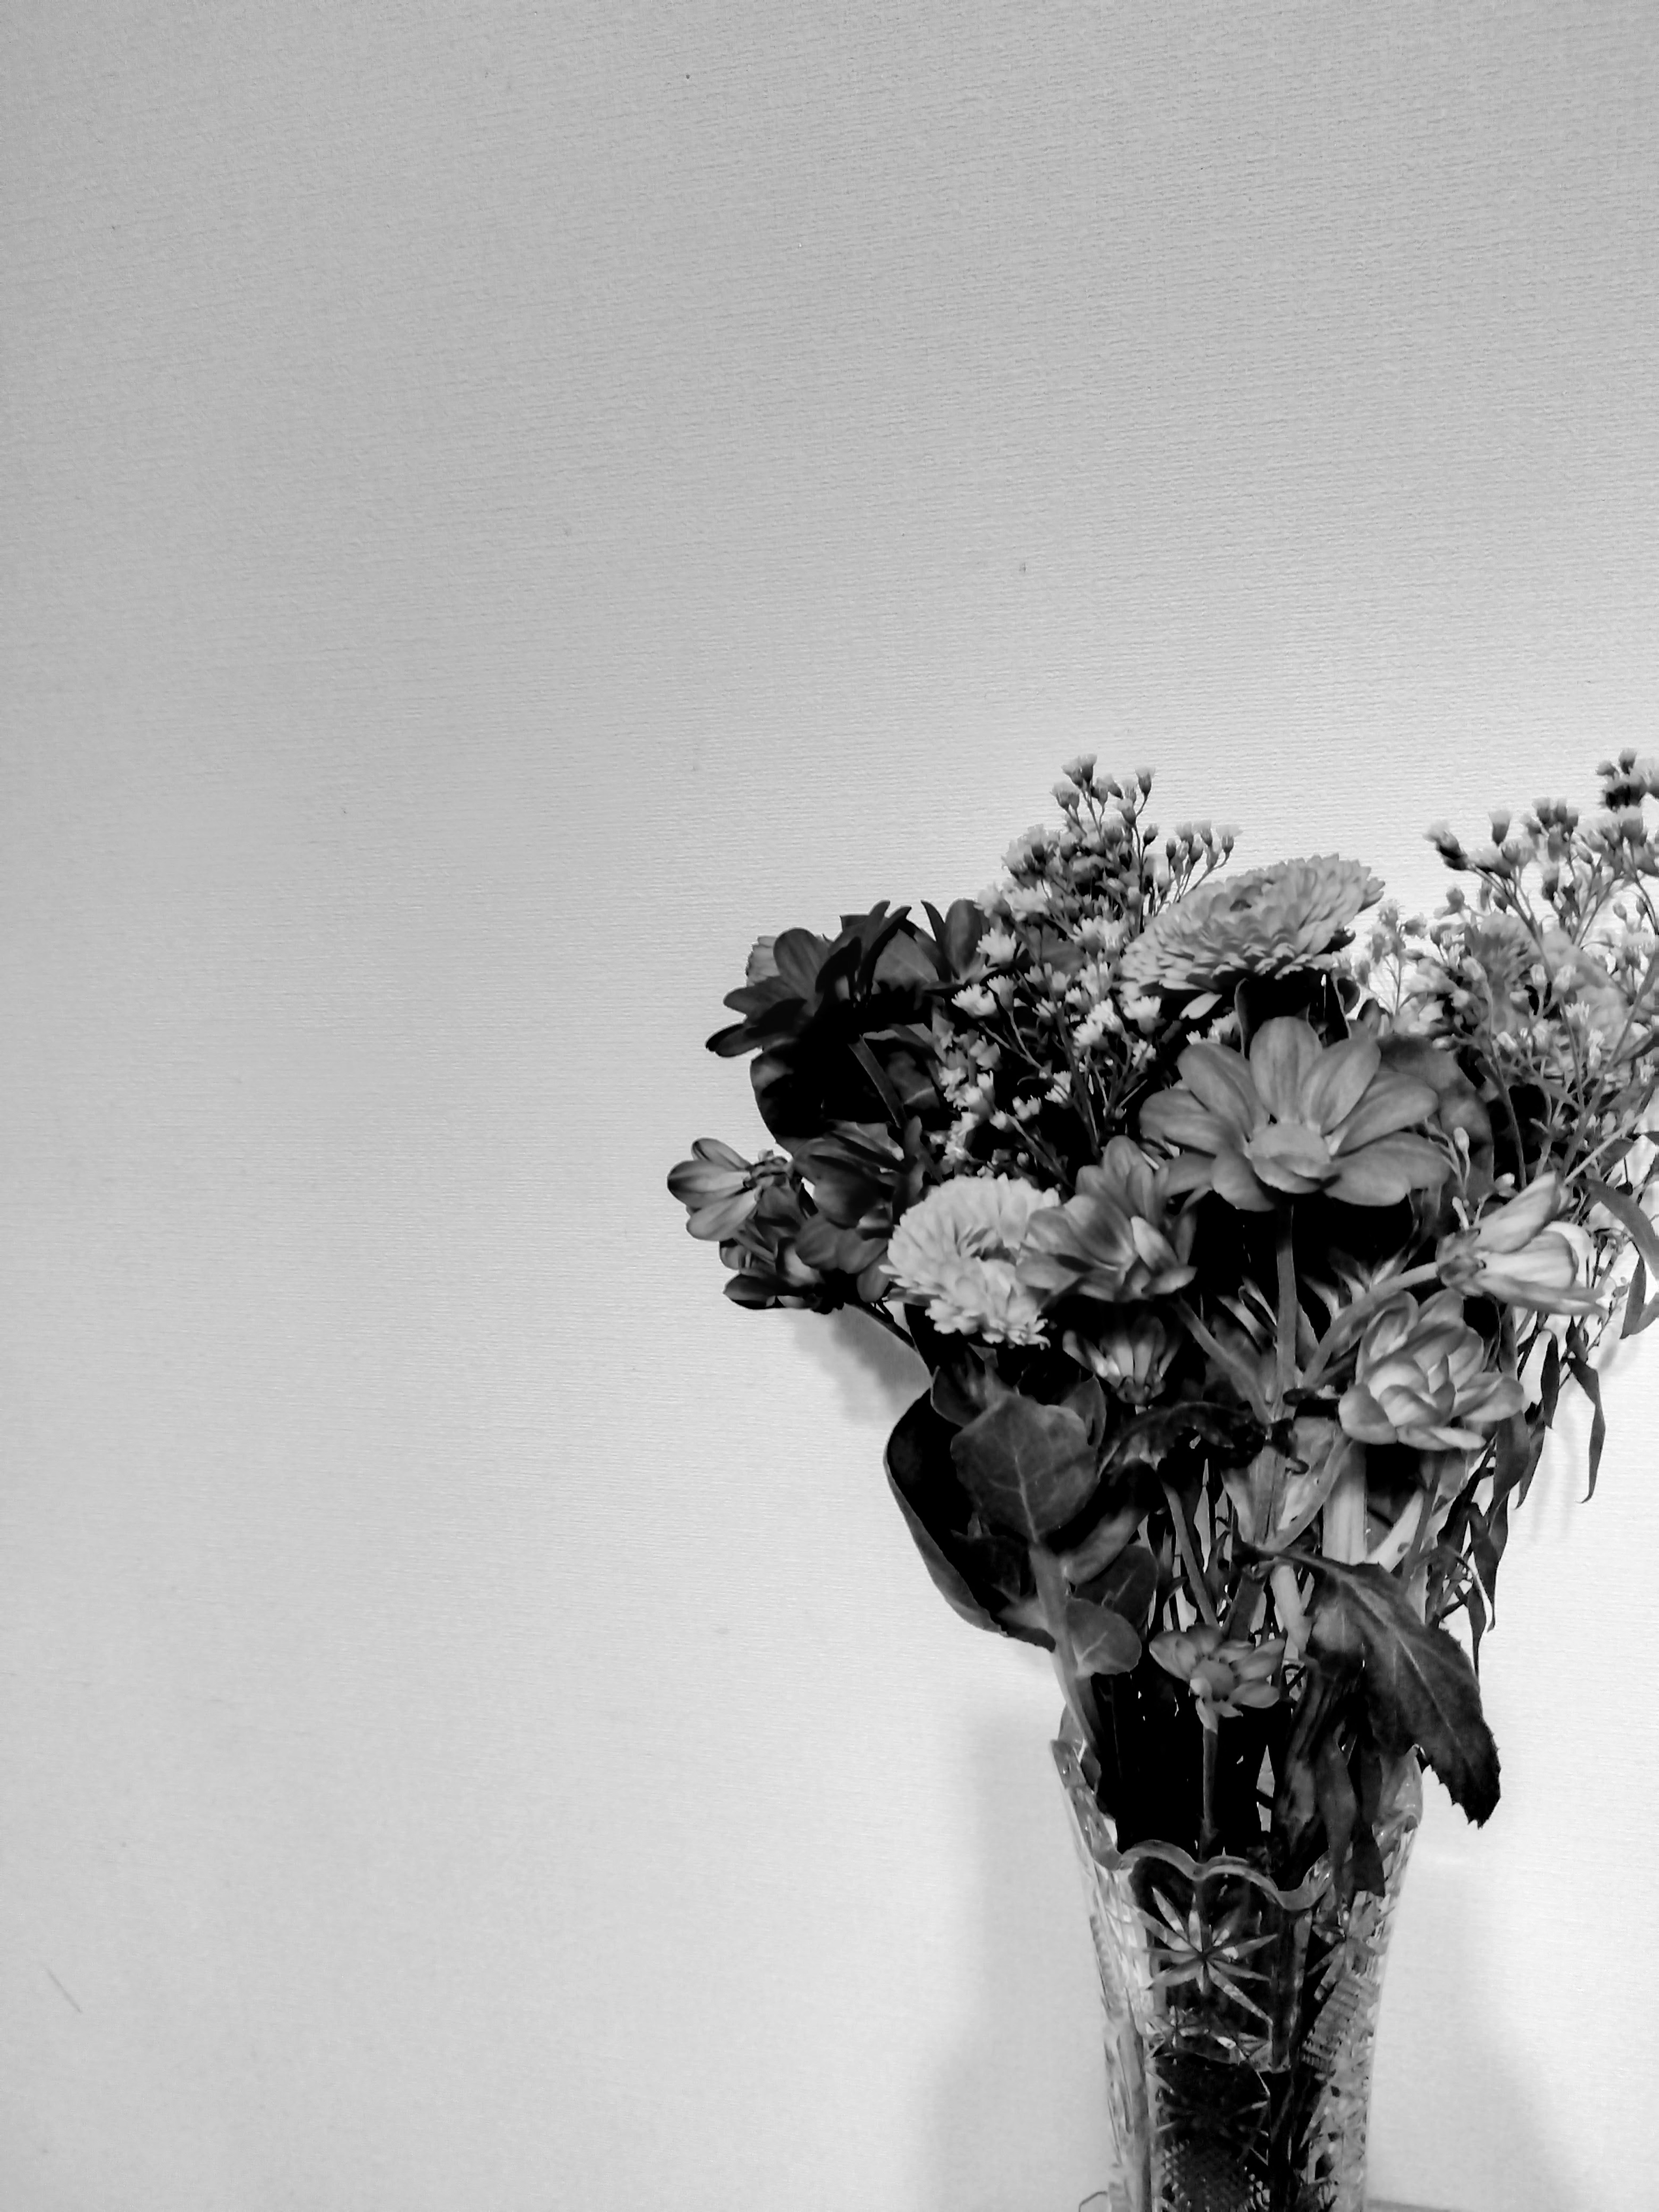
(1590, 1383)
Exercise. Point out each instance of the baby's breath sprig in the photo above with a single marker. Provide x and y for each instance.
(1038, 1051)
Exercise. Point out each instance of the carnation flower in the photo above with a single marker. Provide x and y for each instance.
(1296, 1116)
(958, 1248)
(1261, 923)
(1422, 1379)
(1115, 1241)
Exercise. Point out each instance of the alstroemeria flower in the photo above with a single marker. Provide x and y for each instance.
(1512, 1253)
(1296, 1116)
(719, 1188)
(1116, 1240)
(1422, 1379)
(1261, 923)
(1224, 1676)
(959, 1248)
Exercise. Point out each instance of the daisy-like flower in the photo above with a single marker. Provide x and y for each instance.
(1261, 923)
(1131, 1356)
(959, 1247)
(1513, 1253)
(1422, 1379)
(1295, 1116)
(1222, 1676)
(1115, 1240)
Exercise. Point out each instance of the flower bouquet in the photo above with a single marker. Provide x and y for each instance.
(1248, 1258)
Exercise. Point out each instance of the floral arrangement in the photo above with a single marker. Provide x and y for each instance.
(1249, 1256)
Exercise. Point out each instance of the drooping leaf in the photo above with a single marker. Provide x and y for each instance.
(1030, 1467)
(1629, 1216)
(1584, 1375)
(1419, 1686)
(1640, 1309)
(984, 1577)
(1102, 1642)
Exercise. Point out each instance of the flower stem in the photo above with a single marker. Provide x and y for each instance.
(1287, 1307)
(1207, 1838)
(1188, 1546)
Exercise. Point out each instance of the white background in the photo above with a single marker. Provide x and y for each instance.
(502, 504)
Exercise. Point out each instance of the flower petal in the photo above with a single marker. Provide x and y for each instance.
(1176, 1117)
(1339, 1081)
(1221, 1079)
(1291, 1157)
(1391, 1102)
(1231, 1178)
(1384, 1172)
(1362, 1417)
(1283, 1054)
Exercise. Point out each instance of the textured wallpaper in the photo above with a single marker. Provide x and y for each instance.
(502, 504)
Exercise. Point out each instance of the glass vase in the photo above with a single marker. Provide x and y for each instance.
(1240, 2017)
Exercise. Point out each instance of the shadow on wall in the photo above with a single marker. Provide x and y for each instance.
(875, 1376)
(1455, 2123)
(1018, 2123)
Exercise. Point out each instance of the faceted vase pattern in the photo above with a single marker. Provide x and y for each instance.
(1240, 2017)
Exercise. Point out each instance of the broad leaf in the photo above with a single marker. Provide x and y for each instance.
(1030, 1467)
(1129, 1585)
(984, 1577)
(1102, 1642)
(1419, 1686)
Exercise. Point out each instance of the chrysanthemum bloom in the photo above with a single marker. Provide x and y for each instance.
(1131, 1356)
(1422, 1379)
(1116, 1240)
(959, 1247)
(1261, 923)
(1296, 1116)
(1225, 1677)
(1512, 1253)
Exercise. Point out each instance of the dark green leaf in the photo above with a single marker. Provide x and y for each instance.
(1630, 1216)
(966, 1388)
(1233, 1435)
(985, 1578)
(1419, 1686)
(1590, 1383)
(1102, 1642)
(1128, 1585)
(1640, 1309)
(1030, 1466)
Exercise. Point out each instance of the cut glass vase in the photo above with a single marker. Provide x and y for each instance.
(1240, 2018)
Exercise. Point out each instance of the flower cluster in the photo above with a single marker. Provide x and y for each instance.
(1248, 1263)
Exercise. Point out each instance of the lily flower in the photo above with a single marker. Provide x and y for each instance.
(1294, 1117)
(1422, 1379)
(1513, 1253)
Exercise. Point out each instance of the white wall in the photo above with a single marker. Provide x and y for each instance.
(502, 504)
